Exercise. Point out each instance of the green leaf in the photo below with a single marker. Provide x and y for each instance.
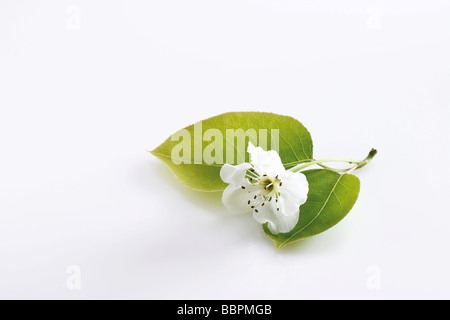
(196, 153)
(331, 196)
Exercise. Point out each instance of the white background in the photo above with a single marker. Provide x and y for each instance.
(87, 87)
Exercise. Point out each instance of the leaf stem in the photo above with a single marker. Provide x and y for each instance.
(357, 163)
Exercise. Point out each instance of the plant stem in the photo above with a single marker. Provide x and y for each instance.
(357, 163)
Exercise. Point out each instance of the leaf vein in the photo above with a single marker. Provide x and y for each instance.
(316, 216)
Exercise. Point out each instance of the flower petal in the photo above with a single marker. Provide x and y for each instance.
(282, 213)
(294, 190)
(265, 162)
(277, 222)
(238, 200)
(234, 174)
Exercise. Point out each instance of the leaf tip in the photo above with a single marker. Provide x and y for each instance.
(153, 152)
(279, 245)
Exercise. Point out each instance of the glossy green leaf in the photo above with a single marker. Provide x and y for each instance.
(288, 135)
(331, 196)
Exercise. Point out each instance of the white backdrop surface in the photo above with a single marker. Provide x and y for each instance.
(87, 87)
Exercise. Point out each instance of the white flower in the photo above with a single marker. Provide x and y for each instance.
(266, 189)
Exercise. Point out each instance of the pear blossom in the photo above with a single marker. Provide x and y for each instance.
(266, 189)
